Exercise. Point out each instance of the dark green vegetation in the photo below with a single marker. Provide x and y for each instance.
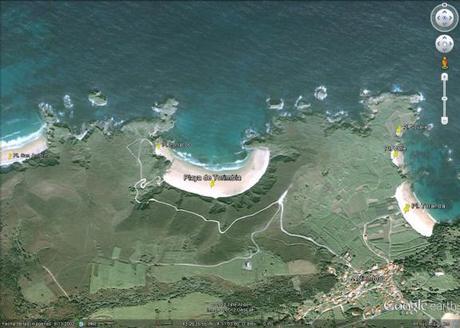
(75, 242)
(441, 255)
(345, 179)
(263, 298)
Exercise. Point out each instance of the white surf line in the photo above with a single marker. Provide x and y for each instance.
(143, 183)
(57, 283)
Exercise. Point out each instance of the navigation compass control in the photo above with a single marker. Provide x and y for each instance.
(444, 43)
(444, 17)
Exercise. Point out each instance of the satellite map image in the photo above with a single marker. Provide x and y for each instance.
(230, 164)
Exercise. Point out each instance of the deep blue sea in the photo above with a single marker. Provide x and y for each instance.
(221, 60)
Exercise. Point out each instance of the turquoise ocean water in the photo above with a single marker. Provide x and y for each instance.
(221, 60)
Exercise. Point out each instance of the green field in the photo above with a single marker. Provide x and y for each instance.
(191, 306)
(347, 179)
(263, 265)
(37, 291)
(116, 275)
(75, 213)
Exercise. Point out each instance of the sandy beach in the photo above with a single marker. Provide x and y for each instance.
(397, 157)
(419, 218)
(450, 320)
(215, 184)
(13, 154)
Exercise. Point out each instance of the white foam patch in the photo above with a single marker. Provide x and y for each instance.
(68, 104)
(21, 141)
(218, 167)
(278, 106)
(320, 92)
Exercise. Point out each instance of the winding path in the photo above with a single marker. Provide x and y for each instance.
(143, 183)
(55, 280)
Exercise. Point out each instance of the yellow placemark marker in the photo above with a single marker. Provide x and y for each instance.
(398, 130)
(395, 154)
(406, 208)
(158, 146)
(10, 156)
(212, 183)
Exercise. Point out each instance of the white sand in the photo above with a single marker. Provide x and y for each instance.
(251, 172)
(397, 157)
(450, 320)
(419, 219)
(34, 147)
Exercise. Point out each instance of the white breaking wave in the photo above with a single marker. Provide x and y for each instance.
(67, 102)
(278, 106)
(168, 107)
(46, 107)
(365, 93)
(336, 117)
(415, 99)
(218, 167)
(15, 121)
(21, 141)
(250, 133)
(15, 133)
(396, 88)
(268, 128)
(119, 123)
(449, 153)
(285, 114)
(297, 101)
(301, 104)
(321, 92)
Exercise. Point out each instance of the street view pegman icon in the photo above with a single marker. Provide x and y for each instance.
(444, 62)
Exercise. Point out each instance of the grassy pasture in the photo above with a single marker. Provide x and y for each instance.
(116, 275)
(191, 306)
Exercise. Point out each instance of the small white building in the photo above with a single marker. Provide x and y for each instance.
(247, 265)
